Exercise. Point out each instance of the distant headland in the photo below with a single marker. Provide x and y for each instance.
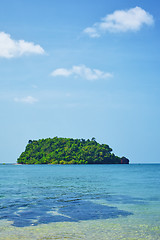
(68, 151)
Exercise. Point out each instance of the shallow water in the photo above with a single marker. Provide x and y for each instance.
(80, 201)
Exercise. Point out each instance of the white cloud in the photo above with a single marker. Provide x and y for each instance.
(28, 99)
(61, 72)
(121, 21)
(10, 48)
(81, 71)
(92, 31)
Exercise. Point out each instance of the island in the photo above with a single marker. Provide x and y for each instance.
(60, 150)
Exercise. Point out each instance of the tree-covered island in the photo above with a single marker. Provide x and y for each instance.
(68, 151)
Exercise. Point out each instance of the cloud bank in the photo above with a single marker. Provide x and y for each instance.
(121, 21)
(10, 48)
(81, 71)
(28, 99)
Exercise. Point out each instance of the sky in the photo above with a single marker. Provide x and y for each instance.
(81, 69)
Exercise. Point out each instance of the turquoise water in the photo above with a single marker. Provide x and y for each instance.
(80, 201)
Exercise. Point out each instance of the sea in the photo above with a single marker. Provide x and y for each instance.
(91, 202)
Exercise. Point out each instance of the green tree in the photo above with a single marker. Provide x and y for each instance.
(68, 151)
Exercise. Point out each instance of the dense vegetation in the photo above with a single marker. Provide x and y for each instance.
(68, 151)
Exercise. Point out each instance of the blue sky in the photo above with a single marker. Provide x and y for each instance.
(81, 69)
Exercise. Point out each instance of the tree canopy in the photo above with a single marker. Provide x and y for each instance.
(68, 151)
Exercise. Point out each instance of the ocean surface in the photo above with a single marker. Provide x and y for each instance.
(80, 202)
